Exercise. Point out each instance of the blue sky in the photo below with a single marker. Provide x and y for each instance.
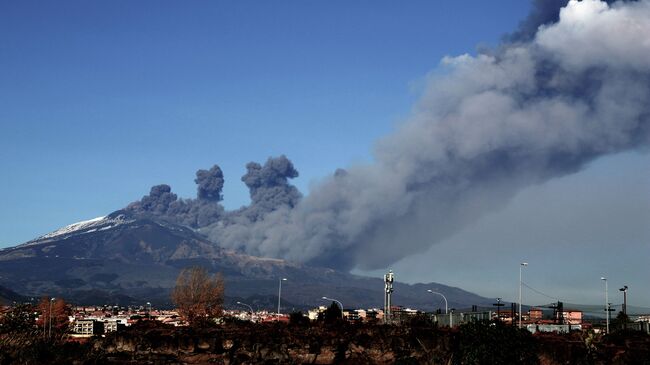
(101, 100)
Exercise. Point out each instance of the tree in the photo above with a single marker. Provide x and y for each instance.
(493, 343)
(621, 320)
(19, 319)
(333, 314)
(54, 315)
(298, 319)
(198, 296)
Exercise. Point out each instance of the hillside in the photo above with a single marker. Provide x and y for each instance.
(122, 258)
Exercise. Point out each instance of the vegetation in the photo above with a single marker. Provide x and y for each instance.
(414, 342)
(298, 319)
(53, 322)
(621, 321)
(198, 296)
(494, 343)
(19, 320)
(332, 314)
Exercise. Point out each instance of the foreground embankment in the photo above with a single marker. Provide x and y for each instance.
(342, 343)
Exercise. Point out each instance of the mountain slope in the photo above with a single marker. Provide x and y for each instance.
(127, 259)
(8, 296)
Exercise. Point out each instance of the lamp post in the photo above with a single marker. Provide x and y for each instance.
(50, 315)
(606, 303)
(446, 305)
(337, 302)
(521, 266)
(280, 295)
(251, 308)
(624, 290)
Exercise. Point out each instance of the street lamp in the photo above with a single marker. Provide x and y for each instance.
(50, 315)
(521, 266)
(251, 308)
(337, 302)
(280, 295)
(624, 290)
(446, 306)
(606, 303)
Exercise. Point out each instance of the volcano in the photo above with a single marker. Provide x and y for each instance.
(123, 258)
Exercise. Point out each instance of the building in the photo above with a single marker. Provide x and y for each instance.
(114, 325)
(570, 316)
(88, 327)
(535, 314)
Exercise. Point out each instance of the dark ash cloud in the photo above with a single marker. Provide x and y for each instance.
(210, 184)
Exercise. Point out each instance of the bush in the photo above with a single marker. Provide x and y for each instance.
(298, 319)
(493, 343)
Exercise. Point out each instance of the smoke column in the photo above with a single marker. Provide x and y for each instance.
(571, 84)
(205, 209)
(543, 105)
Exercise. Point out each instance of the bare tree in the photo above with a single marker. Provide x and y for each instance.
(197, 295)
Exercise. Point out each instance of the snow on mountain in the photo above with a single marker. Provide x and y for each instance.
(73, 227)
(87, 226)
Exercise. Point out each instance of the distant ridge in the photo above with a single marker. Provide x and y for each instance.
(8, 296)
(124, 258)
(595, 310)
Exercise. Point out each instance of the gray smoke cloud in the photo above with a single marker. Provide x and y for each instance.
(543, 12)
(161, 203)
(269, 190)
(210, 184)
(568, 86)
(269, 184)
(486, 127)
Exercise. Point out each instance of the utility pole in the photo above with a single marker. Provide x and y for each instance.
(606, 303)
(50, 315)
(498, 304)
(280, 295)
(522, 265)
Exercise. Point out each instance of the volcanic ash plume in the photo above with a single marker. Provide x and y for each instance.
(205, 209)
(541, 106)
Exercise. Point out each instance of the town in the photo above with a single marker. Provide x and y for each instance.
(87, 321)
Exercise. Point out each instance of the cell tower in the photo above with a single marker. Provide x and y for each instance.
(388, 291)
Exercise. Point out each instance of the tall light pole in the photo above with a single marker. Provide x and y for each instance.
(624, 290)
(50, 315)
(446, 305)
(280, 295)
(337, 302)
(498, 304)
(606, 303)
(251, 308)
(521, 266)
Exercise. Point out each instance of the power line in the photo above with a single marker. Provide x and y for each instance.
(539, 292)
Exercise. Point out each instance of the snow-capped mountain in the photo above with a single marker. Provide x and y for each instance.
(129, 259)
(83, 227)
